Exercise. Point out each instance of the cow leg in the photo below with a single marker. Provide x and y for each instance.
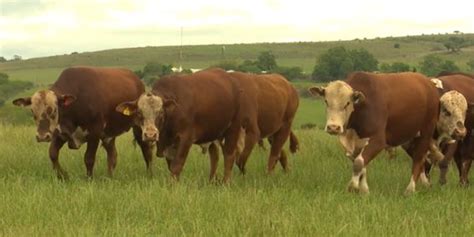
(284, 161)
(230, 149)
(214, 160)
(418, 154)
(146, 148)
(251, 138)
(358, 182)
(89, 157)
(54, 147)
(466, 166)
(278, 140)
(111, 150)
(449, 152)
(177, 163)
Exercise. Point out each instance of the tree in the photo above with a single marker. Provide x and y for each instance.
(470, 63)
(396, 45)
(454, 43)
(432, 65)
(153, 71)
(3, 59)
(17, 57)
(337, 62)
(266, 61)
(363, 60)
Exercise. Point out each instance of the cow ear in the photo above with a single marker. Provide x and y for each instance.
(358, 97)
(66, 100)
(22, 101)
(169, 105)
(127, 108)
(317, 91)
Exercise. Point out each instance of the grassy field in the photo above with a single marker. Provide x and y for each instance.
(412, 50)
(310, 200)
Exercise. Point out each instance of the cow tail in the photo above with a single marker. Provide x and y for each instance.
(294, 144)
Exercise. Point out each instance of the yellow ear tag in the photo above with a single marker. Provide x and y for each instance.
(126, 111)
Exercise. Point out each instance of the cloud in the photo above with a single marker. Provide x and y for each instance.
(34, 28)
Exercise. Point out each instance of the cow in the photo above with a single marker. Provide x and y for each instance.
(370, 112)
(272, 103)
(182, 110)
(463, 149)
(80, 108)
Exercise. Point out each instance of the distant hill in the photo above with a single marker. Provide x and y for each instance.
(412, 49)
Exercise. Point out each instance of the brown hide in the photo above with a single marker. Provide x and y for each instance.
(397, 108)
(271, 101)
(399, 104)
(98, 91)
(207, 109)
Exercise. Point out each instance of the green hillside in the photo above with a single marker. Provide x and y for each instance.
(412, 50)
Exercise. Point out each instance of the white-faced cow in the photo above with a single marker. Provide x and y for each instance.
(182, 110)
(80, 108)
(455, 110)
(370, 112)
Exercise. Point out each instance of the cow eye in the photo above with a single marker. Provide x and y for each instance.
(348, 103)
(446, 112)
(326, 101)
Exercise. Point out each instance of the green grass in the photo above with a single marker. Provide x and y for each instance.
(412, 50)
(310, 200)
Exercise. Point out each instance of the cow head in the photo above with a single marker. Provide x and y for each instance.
(340, 100)
(45, 105)
(148, 112)
(453, 107)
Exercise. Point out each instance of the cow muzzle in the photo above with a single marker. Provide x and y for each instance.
(334, 129)
(459, 133)
(46, 137)
(150, 135)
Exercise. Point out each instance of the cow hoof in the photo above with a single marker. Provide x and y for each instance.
(352, 188)
(63, 176)
(409, 192)
(442, 181)
(464, 184)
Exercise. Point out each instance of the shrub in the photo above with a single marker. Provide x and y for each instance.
(432, 65)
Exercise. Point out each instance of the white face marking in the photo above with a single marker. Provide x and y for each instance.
(339, 104)
(150, 109)
(44, 105)
(453, 107)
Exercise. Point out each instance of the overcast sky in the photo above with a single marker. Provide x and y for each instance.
(33, 28)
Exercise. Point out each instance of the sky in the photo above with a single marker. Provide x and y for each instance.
(35, 28)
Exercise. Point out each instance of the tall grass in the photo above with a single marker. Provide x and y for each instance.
(310, 200)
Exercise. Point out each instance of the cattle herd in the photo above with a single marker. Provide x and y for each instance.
(368, 112)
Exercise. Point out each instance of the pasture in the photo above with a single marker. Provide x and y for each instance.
(310, 200)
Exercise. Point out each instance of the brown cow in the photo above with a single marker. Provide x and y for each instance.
(370, 112)
(80, 108)
(273, 102)
(190, 109)
(463, 150)
(270, 104)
